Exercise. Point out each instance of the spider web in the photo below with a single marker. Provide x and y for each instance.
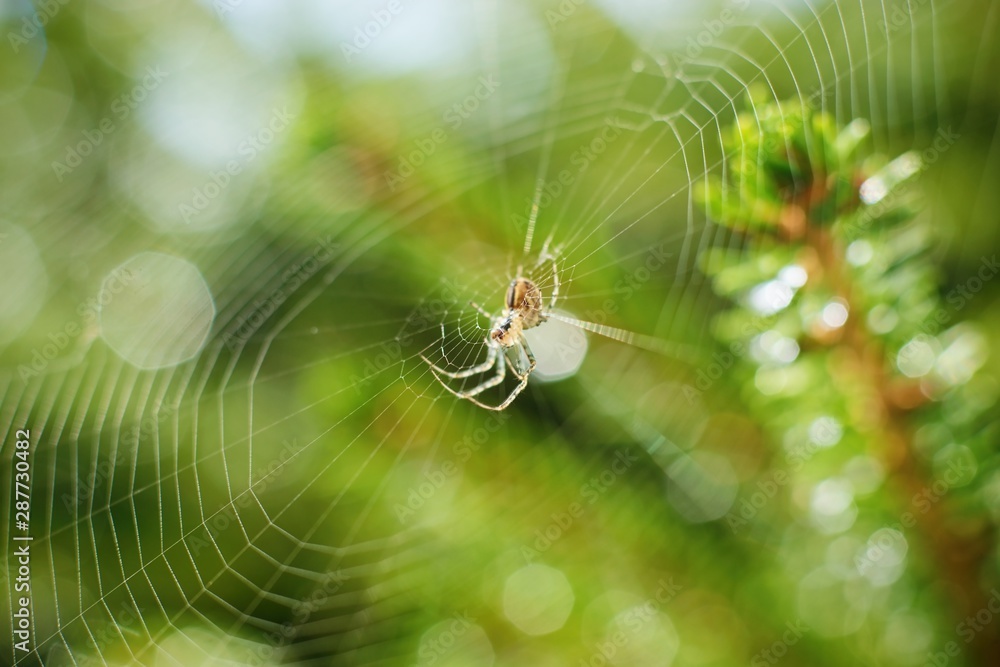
(254, 504)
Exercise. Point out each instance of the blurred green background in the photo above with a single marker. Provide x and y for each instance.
(231, 228)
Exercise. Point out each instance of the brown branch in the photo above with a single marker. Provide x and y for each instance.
(957, 557)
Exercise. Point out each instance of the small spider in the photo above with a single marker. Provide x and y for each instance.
(522, 311)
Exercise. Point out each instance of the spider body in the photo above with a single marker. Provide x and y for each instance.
(507, 347)
(523, 311)
(525, 308)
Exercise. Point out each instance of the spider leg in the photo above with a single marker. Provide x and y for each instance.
(470, 395)
(555, 285)
(520, 385)
(548, 256)
(522, 343)
(544, 253)
(529, 354)
(507, 401)
(444, 355)
(491, 359)
(497, 378)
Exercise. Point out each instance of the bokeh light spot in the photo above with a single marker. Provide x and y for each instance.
(537, 599)
(19, 257)
(159, 310)
(559, 349)
(456, 643)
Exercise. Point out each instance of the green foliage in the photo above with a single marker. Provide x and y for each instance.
(302, 491)
(847, 341)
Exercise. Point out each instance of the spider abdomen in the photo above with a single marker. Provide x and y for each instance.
(524, 298)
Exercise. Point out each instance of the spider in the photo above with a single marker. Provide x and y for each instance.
(522, 311)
